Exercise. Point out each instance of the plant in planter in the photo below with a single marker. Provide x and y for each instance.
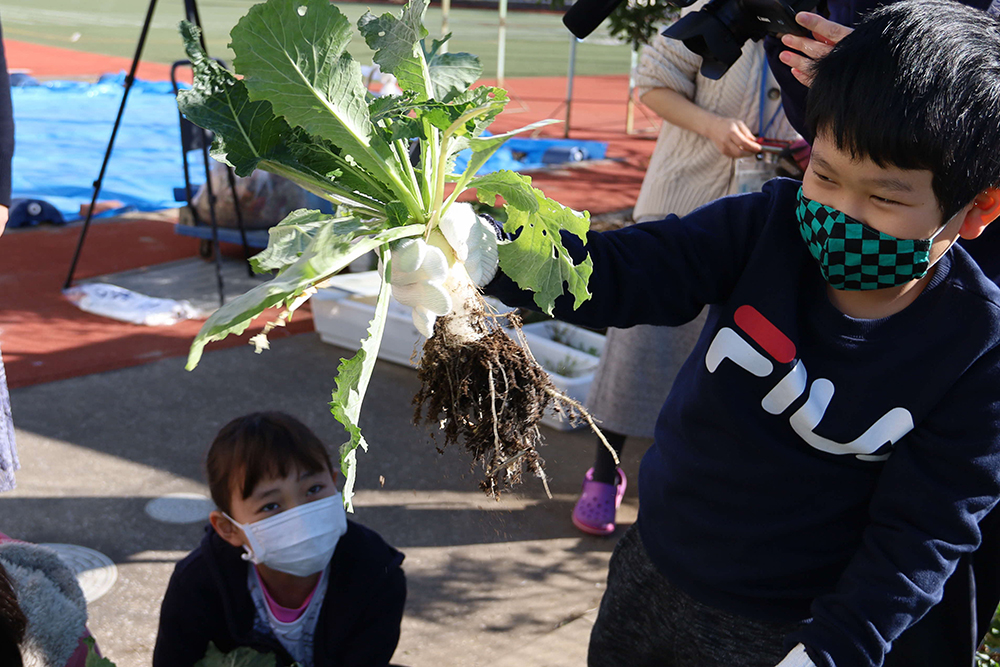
(300, 109)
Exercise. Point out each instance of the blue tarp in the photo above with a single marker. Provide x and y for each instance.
(522, 154)
(61, 133)
(62, 130)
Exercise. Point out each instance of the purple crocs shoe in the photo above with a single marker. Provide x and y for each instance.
(595, 510)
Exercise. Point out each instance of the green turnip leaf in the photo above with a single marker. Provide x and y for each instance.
(399, 50)
(249, 136)
(290, 238)
(241, 657)
(245, 132)
(333, 247)
(536, 259)
(509, 185)
(291, 53)
(396, 42)
(453, 73)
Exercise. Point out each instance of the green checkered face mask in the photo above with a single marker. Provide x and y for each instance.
(853, 256)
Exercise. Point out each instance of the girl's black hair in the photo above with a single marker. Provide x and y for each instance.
(917, 86)
(260, 446)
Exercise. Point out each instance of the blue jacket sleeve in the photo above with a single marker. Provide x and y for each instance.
(661, 272)
(934, 489)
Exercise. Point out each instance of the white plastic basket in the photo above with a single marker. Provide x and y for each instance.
(548, 343)
(342, 318)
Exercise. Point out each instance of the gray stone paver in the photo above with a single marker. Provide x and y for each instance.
(489, 582)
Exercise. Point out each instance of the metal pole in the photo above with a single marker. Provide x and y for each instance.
(501, 42)
(569, 82)
(630, 109)
(445, 11)
(111, 142)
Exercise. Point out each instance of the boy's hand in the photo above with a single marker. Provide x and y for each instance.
(3, 218)
(825, 35)
(732, 137)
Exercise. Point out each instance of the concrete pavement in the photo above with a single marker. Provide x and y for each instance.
(492, 583)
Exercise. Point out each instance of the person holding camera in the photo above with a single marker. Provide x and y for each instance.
(709, 125)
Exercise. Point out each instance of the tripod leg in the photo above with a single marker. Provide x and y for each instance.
(192, 16)
(191, 13)
(111, 142)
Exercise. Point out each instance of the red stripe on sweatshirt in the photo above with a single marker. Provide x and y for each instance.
(765, 334)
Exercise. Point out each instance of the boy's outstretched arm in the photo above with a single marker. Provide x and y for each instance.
(661, 272)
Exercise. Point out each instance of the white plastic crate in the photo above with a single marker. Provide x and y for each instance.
(343, 310)
(584, 340)
(571, 369)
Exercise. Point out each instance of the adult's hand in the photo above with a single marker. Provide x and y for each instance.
(826, 34)
(732, 137)
(3, 218)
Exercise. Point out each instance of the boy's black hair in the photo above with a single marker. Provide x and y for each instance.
(13, 623)
(917, 86)
(260, 446)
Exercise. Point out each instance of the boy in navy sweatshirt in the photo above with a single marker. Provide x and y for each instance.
(828, 449)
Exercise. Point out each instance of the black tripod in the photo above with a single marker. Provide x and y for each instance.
(191, 137)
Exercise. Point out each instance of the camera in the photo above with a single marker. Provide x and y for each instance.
(716, 32)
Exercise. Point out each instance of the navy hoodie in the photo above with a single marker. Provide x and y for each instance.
(207, 600)
(806, 465)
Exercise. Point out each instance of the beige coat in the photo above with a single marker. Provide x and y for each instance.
(686, 169)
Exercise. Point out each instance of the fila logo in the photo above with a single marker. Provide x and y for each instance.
(730, 344)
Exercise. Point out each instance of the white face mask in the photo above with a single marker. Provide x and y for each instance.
(299, 541)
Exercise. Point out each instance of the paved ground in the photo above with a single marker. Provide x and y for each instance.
(489, 582)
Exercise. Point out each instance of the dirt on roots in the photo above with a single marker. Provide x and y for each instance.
(487, 395)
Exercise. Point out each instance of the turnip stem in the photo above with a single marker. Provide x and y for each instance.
(322, 188)
(437, 209)
(439, 182)
(403, 153)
